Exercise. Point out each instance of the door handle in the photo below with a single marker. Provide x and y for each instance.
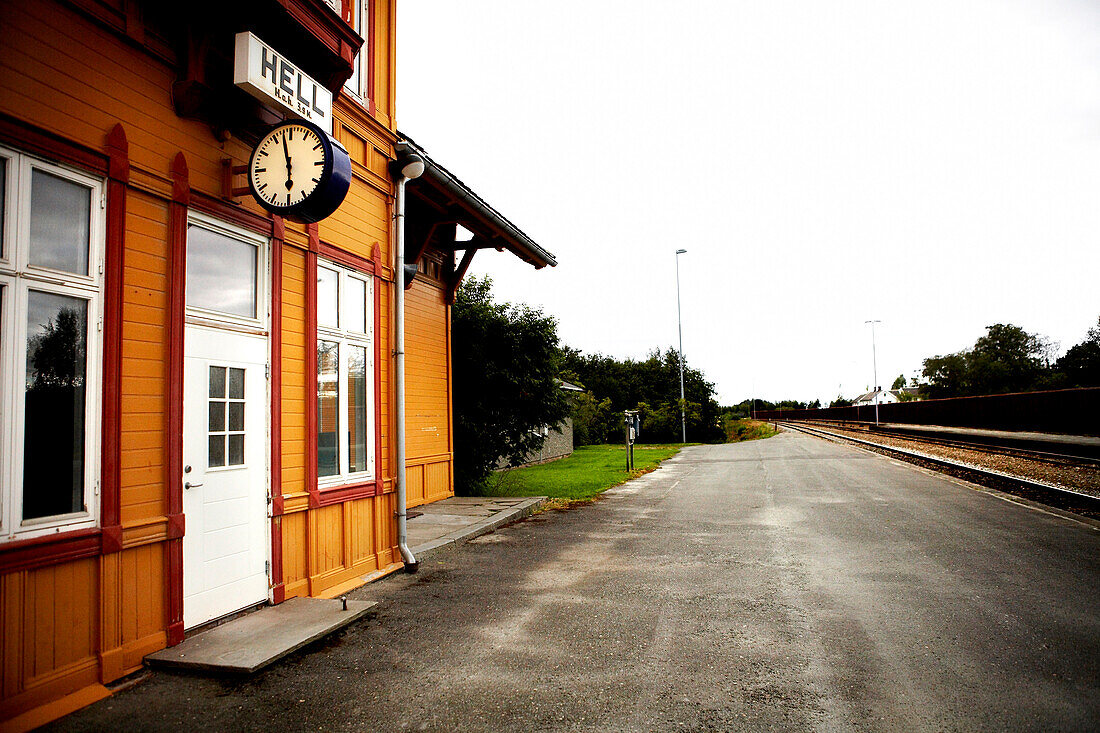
(189, 485)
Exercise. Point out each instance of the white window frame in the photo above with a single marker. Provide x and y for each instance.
(357, 86)
(346, 338)
(221, 319)
(17, 278)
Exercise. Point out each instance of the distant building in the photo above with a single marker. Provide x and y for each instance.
(556, 444)
(885, 396)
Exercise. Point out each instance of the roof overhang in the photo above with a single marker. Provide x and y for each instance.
(453, 202)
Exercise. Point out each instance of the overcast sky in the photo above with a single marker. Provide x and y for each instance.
(934, 165)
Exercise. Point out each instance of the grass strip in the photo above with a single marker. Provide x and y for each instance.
(579, 478)
(746, 429)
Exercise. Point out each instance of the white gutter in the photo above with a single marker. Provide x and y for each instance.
(410, 167)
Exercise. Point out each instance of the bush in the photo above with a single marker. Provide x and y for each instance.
(505, 365)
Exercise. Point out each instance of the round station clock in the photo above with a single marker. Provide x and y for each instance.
(299, 171)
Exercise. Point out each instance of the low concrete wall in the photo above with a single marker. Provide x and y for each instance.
(557, 445)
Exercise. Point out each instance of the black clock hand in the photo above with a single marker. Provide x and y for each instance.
(286, 154)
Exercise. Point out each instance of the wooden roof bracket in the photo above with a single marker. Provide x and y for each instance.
(460, 272)
(428, 240)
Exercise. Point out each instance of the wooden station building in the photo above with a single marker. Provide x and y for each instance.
(196, 395)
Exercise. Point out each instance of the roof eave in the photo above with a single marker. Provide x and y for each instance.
(512, 237)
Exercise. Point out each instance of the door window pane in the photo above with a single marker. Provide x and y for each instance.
(60, 222)
(357, 409)
(225, 439)
(236, 450)
(216, 454)
(236, 416)
(217, 381)
(355, 306)
(221, 273)
(328, 298)
(217, 416)
(236, 384)
(328, 400)
(53, 438)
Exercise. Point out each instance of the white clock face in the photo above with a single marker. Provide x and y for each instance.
(287, 165)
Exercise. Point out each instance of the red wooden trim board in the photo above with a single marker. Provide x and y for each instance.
(278, 232)
(177, 284)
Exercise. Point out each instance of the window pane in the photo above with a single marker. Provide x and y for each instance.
(236, 416)
(353, 83)
(236, 384)
(328, 292)
(216, 455)
(221, 273)
(236, 450)
(355, 305)
(328, 399)
(60, 223)
(53, 438)
(217, 417)
(3, 192)
(217, 382)
(357, 409)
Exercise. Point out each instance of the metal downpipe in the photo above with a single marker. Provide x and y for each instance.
(403, 177)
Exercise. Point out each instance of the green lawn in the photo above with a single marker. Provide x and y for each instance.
(582, 476)
(745, 429)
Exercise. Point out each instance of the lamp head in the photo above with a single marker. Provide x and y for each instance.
(681, 251)
(412, 167)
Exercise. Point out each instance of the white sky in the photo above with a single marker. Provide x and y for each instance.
(935, 165)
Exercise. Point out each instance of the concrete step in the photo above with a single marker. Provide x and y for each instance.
(247, 644)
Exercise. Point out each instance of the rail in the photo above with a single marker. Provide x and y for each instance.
(1087, 501)
(1056, 453)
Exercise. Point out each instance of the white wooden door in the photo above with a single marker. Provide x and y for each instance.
(225, 545)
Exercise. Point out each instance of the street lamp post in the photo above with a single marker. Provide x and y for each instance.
(874, 362)
(680, 328)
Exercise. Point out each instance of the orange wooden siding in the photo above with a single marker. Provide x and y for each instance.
(427, 393)
(294, 378)
(77, 623)
(49, 636)
(144, 339)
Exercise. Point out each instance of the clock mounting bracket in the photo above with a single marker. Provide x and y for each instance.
(229, 173)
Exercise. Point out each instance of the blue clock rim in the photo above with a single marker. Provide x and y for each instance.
(319, 204)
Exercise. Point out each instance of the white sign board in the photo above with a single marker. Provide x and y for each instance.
(270, 77)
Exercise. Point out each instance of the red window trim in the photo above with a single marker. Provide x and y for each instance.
(114, 166)
(177, 282)
(368, 49)
(111, 450)
(278, 233)
(365, 52)
(23, 136)
(231, 213)
(347, 492)
(39, 552)
(350, 260)
(328, 495)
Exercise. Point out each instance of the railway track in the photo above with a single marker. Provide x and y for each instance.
(1060, 496)
(1060, 455)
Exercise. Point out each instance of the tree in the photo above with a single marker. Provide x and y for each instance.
(899, 383)
(1006, 359)
(1080, 367)
(57, 353)
(946, 375)
(651, 386)
(505, 366)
